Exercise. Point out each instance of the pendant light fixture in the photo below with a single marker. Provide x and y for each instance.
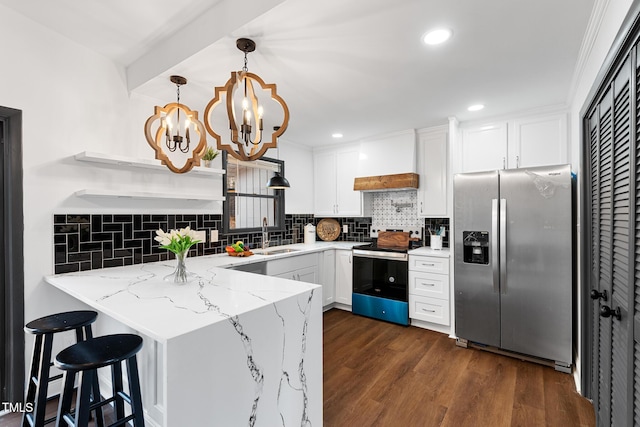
(170, 130)
(246, 139)
(277, 181)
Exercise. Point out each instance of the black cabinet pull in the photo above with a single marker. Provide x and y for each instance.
(605, 311)
(599, 295)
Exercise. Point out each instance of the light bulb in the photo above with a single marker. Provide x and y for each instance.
(245, 103)
(260, 111)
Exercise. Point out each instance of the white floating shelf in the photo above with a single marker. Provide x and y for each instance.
(145, 195)
(112, 159)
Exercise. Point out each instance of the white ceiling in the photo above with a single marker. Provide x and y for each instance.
(352, 66)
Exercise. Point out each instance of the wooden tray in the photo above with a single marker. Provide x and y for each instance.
(328, 229)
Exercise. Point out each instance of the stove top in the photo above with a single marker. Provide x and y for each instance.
(414, 233)
(373, 246)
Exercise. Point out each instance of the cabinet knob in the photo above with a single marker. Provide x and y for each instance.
(598, 295)
(517, 162)
(606, 311)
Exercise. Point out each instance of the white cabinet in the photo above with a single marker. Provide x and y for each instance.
(520, 142)
(344, 277)
(429, 295)
(484, 147)
(334, 172)
(538, 141)
(303, 268)
(328, 276)
(433, 163)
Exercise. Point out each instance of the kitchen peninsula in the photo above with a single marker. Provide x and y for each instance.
(228, 348)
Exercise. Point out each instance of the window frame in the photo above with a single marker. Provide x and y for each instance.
(278, 197)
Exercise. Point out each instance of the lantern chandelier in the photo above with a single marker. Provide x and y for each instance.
(246, 138)
(172, 124)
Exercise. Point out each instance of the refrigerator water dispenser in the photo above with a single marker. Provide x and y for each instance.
(476, 247)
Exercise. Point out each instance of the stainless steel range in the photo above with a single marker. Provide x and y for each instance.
(380, 275)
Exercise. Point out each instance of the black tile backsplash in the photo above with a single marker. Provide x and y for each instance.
(86, 242)
(435, 224)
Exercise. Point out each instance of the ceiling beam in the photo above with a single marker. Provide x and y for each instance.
(221, 20)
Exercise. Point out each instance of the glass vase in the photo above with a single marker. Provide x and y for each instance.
(180, 274)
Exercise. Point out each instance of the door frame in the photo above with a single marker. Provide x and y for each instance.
(13, 250)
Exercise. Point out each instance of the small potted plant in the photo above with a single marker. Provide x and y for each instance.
(209, 154)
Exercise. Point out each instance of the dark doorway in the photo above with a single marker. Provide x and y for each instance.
(11, 257)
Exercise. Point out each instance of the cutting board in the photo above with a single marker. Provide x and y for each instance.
(393, 239)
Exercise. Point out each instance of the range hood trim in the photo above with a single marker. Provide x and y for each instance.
(395, 182)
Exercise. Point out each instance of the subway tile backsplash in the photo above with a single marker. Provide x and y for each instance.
(91, 241)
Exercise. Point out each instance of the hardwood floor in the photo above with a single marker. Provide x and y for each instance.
(14, 419)
(381, 374)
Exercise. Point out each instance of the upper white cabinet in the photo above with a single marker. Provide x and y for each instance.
(388, 154)
(484, 147)
(433, 160)
(334, 172)
(520, 142)
(538, 141)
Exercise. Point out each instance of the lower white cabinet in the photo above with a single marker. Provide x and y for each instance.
(432, 310)
(344, 276)
(328, 276)
(429, 299)
(303, 268)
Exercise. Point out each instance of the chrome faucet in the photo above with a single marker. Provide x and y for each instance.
(265, 234)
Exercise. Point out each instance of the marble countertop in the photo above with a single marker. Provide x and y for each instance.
(426, 250)
(225, 261)
(138, 296)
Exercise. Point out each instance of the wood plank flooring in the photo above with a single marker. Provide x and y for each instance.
(381, 374)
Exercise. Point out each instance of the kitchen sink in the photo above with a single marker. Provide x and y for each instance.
(277, 251)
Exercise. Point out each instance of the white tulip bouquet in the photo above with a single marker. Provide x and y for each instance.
(177, 241)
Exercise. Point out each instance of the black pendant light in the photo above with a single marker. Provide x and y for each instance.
(277, 181)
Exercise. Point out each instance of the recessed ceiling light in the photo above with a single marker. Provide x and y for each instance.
(438, 36)
(337, 135)
(476, 107)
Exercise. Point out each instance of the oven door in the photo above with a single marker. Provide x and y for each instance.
(380, 286)
(381, 274)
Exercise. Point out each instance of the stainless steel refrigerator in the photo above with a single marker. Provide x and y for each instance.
(513, 270)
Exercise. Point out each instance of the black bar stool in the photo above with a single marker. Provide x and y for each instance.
(44, 329)
(85, 358)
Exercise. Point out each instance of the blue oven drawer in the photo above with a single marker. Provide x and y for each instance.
(381, 308)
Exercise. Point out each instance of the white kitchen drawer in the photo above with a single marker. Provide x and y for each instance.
(429, 284)
(429, 309)
(429, 264)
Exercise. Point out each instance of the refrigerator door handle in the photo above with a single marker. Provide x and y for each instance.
(503, 245)
(495, 266)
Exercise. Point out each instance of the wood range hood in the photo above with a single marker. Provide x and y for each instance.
(396, 182)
